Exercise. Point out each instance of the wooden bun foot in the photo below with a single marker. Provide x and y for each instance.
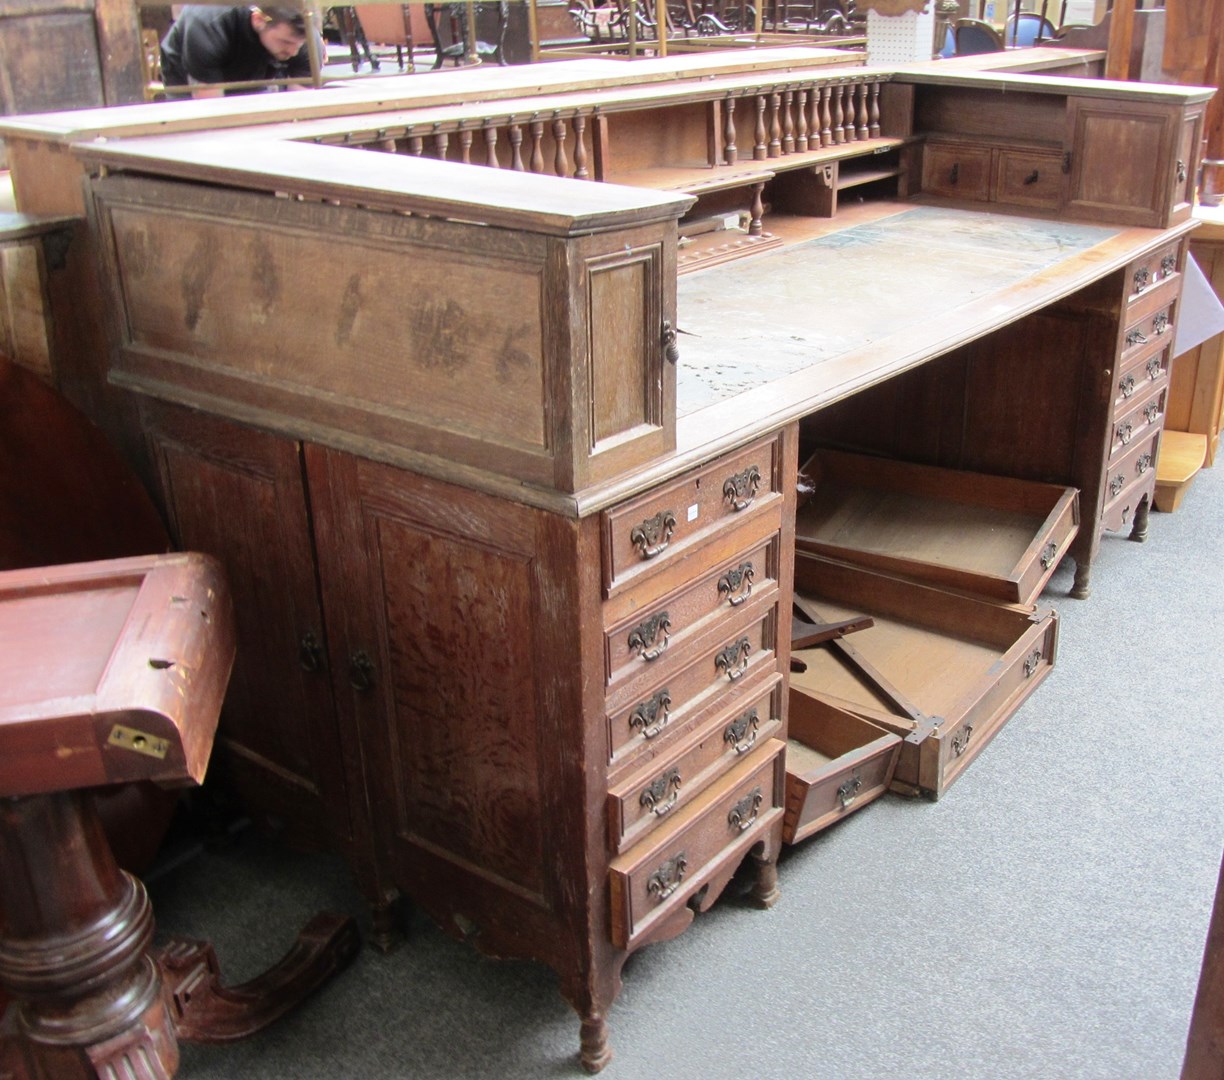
(596, 1053)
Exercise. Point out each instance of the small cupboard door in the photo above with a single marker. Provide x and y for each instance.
(238, 494)
(456, 627)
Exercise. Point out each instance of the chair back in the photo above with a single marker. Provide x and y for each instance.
(975, 36)
(391, 24)
(1029, 29)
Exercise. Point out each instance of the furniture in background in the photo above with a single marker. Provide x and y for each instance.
(398, 25)
(1027, 28)
(113, 672)
(974, 36)
(1204, 1058)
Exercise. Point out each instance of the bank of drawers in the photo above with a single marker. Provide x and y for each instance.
(693, 690)
(1141, 382)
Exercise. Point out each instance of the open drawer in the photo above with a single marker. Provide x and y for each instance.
(836, 763)
(942, 670)
(990, 536)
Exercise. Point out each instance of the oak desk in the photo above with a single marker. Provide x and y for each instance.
(509, 503)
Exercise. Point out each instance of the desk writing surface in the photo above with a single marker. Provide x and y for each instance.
(790, 331)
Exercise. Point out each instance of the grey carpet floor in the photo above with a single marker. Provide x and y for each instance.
(1045, 920)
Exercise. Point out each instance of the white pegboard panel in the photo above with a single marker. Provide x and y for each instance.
(900, 39)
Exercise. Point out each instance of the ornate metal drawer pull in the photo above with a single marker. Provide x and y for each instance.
(734, 659)
(310, 652)
(740, 490)
(661, 794)
(1127, 385)
(960, 741)
(1160, 322)
(1168, 265)
(744, 812)
(1182, 173)
(1047, 555)
(1143, 277)
(642, 637)
(736, 585)
(650, 717)
(849, 791)
(361, 670)
(1031, 663)
(741, 733)
(1153, 368)
(1151, 411)
(1135, 337)
(666, 879)
(1032, 177)
(1116, 484)
(671, 350)
(954, 175)
(1125, 431)
(1143, 464)
(653, 535)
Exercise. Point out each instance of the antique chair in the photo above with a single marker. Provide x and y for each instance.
(393, 24)
(975, 36)
(1029, 29)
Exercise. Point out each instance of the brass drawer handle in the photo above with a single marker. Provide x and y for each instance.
(1116, 484)
(736, 585)
(740, 490)
(741, 733)
(1143, 464)
(661, 794)
(733, 660)
(1124, 433)
(1135, 337)
(1182, 172)
(960, 741)
(666, 879)
(1031, 663)
(361, 671)
(653, 535)
(1151, 412)
(643, 637)
(1153, 368)
(650, 717)
(1168, 265)
(1143, 277)
(849, 791)
(1047, 555)
(1127, 385)
(310, 652)
(1160, 322)
(745, 812)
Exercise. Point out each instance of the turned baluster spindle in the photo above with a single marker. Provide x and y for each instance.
(730, 151)
(755, 226)
(760, 151)
(874, 112)
(775, 125)
(580, 151)
(826, 116)
(416, 145)
(490, 141)
(441, 144)
(839, 115)
(537, 146)
(560, 161)
(465, 145)
(388, 145)
(801, 119)
(516, 148)
(788, 122)
(862, 128)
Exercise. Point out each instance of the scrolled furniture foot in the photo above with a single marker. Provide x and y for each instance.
(765, 891)
(386, 933)
(1080, 588)
(206, 1011)
(596, 1052)
(1139, 529)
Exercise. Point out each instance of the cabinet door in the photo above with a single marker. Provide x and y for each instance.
(463, 626)
(238, 494)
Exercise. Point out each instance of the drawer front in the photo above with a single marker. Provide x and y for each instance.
(1150, 270)
(1138, 421)
(648, 533)
(656, 877)
(651, 795)
(660, 711)
(1021, 670)
(1029, 178)
(956, 170)
(1137, 379)
(657, 633)
(1128, 480)
(1146, 336)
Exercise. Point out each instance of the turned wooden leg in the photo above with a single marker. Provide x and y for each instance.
(74, 934)
(596, 1052)
(1139, 529)
(1080, 588)
(765, 890)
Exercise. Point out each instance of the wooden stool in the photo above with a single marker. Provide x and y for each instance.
(109, 672)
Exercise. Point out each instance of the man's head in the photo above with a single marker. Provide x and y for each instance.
(281, 30)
